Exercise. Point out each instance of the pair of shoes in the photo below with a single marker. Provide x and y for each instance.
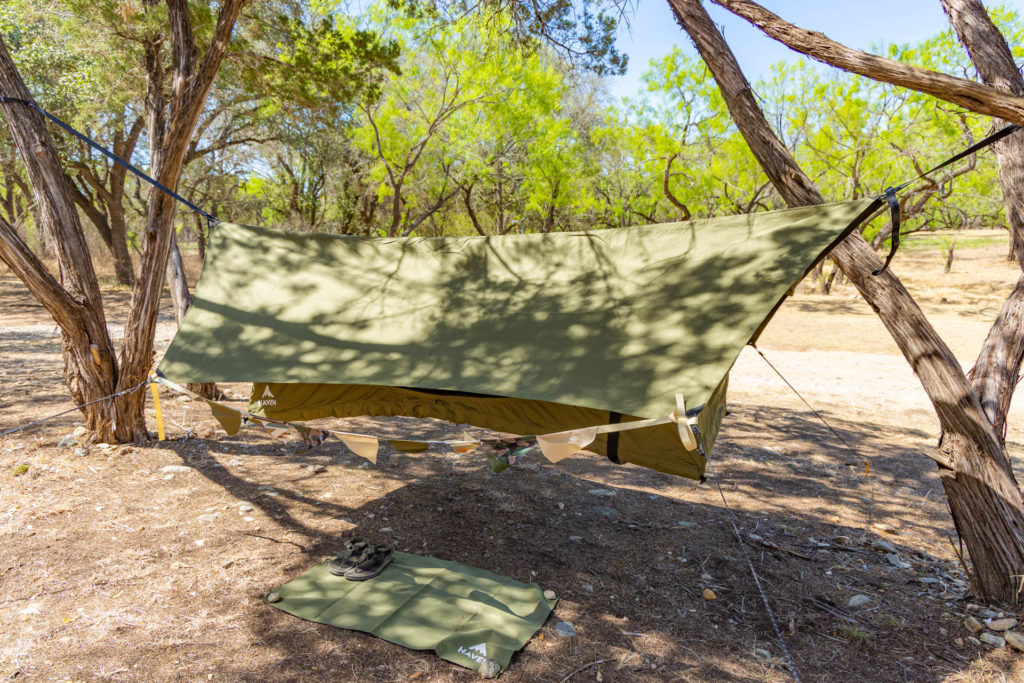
(361, 561)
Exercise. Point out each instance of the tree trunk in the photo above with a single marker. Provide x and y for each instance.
(984, 499)
(75, 304)
(170, 122)
(176, 282)
(992, 58)
(123, 268)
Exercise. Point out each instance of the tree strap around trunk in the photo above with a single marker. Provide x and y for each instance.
(890, 192)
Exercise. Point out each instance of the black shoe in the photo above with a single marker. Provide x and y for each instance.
(371, 567)
(356, 551)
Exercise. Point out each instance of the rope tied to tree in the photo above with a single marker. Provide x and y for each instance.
(19, 428)
(210, 218)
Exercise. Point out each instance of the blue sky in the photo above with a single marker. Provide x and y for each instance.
(858, 23)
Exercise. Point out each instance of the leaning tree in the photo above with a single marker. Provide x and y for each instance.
(974, 468)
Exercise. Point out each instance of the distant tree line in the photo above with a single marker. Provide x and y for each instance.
(396, 123)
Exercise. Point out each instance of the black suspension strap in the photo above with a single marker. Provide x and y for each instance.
(110, 155)
(894, 204)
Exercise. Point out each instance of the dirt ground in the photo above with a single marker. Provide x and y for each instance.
(109, 574)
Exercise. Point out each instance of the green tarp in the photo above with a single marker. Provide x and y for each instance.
(464, 614)
(524, 333)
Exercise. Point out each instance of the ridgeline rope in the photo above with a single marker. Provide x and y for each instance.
(110, 155)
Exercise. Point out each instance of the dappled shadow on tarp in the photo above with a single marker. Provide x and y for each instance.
(618, 320)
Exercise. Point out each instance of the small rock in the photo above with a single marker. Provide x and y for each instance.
(234, 462)
(858, 601)
(317, 469)
(884, 546)
(176, 469)
(842, 540)
(549, 595)
(575, 538)
(973, 641)
(1016, 640)
(705, 577)
(274, 597)
(959, 642)
(67, 442)
(80, 431)
(604, 510)
(1002, 624)
(489, 669)
(992, 639)
(208, 517)
(602, 492)
(81, 452)
(385, 530)
(927, 580)
(103, 446)
(709, 594)
(762, 653)
(886, 528)
(587, 587)
(895, 561)
(561, 506)
(245, 507)
(972, 625)
(685, 525)
(565, 629)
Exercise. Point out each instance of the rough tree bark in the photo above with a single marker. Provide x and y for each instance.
(994, 61)
(74, 302)
(984, 499)
(995, 373)
(966, 93)
(171, 118)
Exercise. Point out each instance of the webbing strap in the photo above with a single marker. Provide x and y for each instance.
(894, 204)
(110, 155)
(894, 217)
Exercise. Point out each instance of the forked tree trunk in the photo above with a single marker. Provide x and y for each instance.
(74, 302)
(90, 366)
(983, 496)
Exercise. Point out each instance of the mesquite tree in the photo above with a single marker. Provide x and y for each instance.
(983, 495)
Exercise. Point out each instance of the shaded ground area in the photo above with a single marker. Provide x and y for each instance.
(108, 572)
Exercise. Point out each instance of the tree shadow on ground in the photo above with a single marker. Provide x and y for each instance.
(629, 551)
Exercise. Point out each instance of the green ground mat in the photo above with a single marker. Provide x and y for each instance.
(463, 614)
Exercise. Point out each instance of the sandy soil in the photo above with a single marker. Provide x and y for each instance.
(108, 574)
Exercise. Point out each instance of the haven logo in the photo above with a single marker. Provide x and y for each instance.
(478, 653)
(267, 399)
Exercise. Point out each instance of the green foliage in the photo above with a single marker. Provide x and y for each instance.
(472, 117)
(581, 32)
